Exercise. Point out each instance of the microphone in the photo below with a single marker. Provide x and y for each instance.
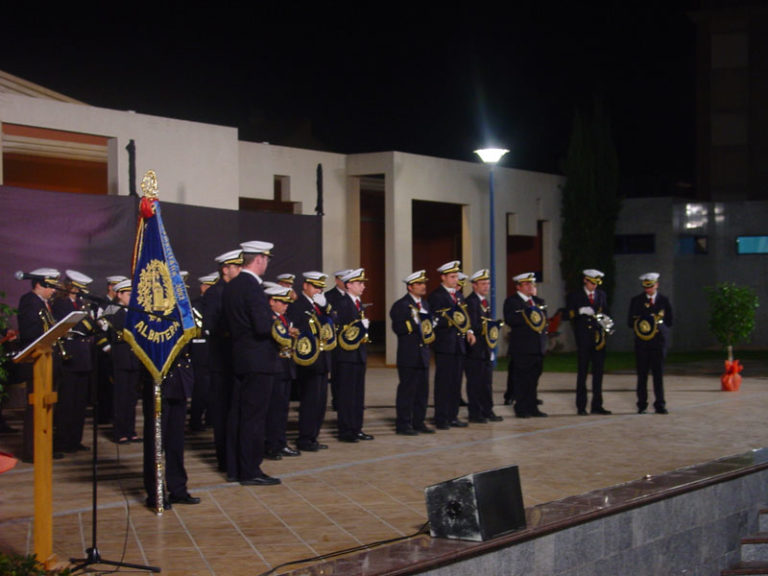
(19, 275)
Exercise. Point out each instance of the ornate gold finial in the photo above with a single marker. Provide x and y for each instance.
(149, 184)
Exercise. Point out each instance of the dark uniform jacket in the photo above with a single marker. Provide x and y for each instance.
(298, 316)
(522, 338)
(346, 313)
(448, 340)
(640, 306)
(249, 318)
(333, 296)
(30, 323)
(584, 326)
(123, 357)
(411, 350)
(78, 343)
(476, 311)
(215, 327)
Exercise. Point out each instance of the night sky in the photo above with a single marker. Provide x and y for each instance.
(387, 76)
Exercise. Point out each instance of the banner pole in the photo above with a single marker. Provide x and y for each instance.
(159, 471)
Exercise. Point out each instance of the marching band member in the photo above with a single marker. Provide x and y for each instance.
(480, 355)
(583, 306)
(451, 330)
(412, 322)
(650, 316)
(351, 357)
(310, 314)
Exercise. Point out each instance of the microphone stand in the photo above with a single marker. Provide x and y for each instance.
(93, 556)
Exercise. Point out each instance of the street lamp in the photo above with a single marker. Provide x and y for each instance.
(491, 156)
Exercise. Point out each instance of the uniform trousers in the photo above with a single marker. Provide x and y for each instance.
(313, 396)
(350, 388)
(69, 413)
(125, 396)
(172, 419)
(221, 385)
(588, 355)
(526, 369)
(246, 428)
(412, 397)
(479, 387)
(277, 416)
(448, 371)
(650, 359)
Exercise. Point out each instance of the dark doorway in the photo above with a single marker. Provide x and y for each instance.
(524, 254)
(436, 237)
(372, 256)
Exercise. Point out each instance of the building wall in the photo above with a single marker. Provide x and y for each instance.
(531, 196)
(684, 276)
(195, 163)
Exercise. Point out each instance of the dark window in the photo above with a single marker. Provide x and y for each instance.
(692, 245)
(634, 244)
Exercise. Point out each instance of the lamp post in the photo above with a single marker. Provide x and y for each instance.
(491, 156)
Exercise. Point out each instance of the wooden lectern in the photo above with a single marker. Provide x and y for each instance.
(42, 399)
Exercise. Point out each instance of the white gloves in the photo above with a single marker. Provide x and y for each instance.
(365, 322)
(319, 299)
(587, 311)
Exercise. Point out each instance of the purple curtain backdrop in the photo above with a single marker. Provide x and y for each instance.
(95, 235)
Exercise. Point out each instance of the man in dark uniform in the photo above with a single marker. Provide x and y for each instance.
(276, 446)
(333, 296)
(527, 343)
(199, 416)
(650, 316)
(447, 305)
(34, 317)
(351, 358)
(583, 306)
(249, 318)
(217, 333)
(480, 355)
(412, 322)
(76, 369)
(104, 384)
(287, 279)
(126, 370)
(305, 314)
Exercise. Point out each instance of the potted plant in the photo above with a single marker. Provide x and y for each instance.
(731, 320)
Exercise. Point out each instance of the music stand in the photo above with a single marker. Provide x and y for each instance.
(43, 399)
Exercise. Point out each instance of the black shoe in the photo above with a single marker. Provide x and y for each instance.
(463, 402)
(308, 446)
(287, 451)
(583, 412)
(186, 499)
(522, 415)
(352, 438)
(271, 455)
(539, 401)
(425, 429)
(232, 479)
(443, 426)
(494, 418)
(137, 440)
(407, 432)
(642, 411)
(478, 420)
(602, 411)
(150, 503)
(262, 480)
(364, 436)
(458, 424)
(540, 414)
(508, 401)
(662, 411)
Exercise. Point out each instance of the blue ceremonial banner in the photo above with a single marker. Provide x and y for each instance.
(159, 322)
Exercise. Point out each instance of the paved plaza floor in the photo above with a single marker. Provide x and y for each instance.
(353, 494)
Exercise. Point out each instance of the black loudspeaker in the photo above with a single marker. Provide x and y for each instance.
(477, 506)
